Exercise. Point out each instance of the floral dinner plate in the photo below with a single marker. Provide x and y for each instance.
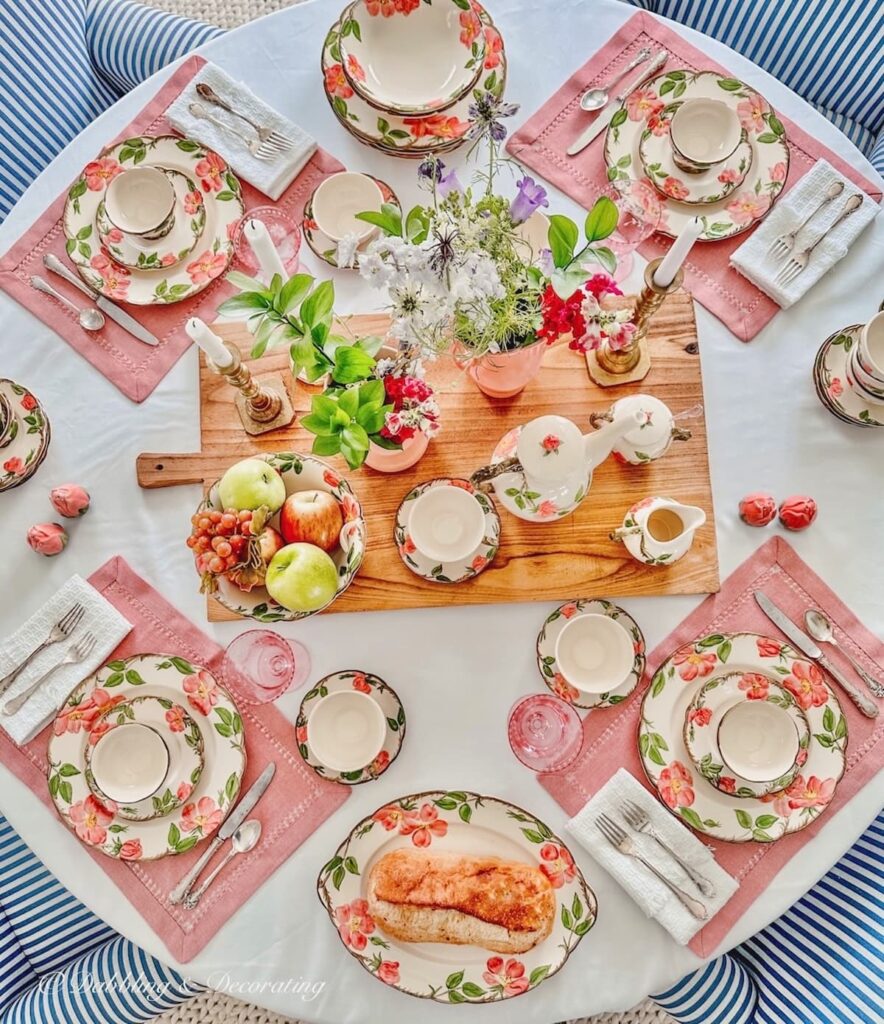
(454, 821)
(643, 112)
(98, 823)
(221, 196)
(319, 242)
(831, 377)
(690, 797)
(24, 434)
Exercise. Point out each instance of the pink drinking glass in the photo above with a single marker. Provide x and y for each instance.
(640, 214)
(260, 665)
(545, 733)
(285, 233)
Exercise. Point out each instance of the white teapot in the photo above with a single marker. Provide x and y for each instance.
(541, 471)
(651, 438)
(659, 531)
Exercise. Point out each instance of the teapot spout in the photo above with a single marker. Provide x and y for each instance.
(599, 443)
(692, 517)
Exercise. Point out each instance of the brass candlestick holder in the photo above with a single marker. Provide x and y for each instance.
(607, 366)
(261, 407)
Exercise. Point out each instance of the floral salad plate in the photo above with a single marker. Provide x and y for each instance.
(319, 242)
(643, 113)
(703, 720)
(833, 381)
(686, 793)
(454, 821)
(89, 710)
(546, 653)
(447, 572)
(218, 192)
(24, 434)
(374, 687)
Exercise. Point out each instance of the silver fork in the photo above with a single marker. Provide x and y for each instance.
(63, 628)
(259, 150)
(799, 261)
(79, 652)
(265, 134)
(639, 820)
(623, 844)
(781, 246)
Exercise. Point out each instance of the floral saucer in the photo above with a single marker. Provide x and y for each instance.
(753, 199)
(665, 757)
(447, 572)
(704, 717)
(221, 197)
(98, 823)
(190, 219)
(24, 434)
(321, 245)
(710, 186)
(832, 379)
(374, 687)
(183, 740)
(546, 653)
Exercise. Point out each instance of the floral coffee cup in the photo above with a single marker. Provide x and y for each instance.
(703, 132)
(141, 202)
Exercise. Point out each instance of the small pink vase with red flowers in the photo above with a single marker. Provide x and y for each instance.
(407, 395)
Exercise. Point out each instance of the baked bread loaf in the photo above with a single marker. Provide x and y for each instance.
(501, 905)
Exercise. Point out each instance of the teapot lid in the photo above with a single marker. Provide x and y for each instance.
(551, 447)
(656, 419)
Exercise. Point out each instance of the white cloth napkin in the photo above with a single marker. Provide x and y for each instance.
(647, 891)
(100, 617)
(753, 260)
(273, 176)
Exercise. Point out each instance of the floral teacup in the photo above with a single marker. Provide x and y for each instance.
(141, 202)
(703, 132)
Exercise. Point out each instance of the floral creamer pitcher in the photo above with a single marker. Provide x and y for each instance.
(651, 438)
(658, 531)
(542, 470)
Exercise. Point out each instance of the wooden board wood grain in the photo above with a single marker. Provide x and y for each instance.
(569, 558)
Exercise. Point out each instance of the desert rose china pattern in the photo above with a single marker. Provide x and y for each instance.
(218, 192)
(394, 713)
(686, 793)
(752, 200)
(546, 653)
(98, 823)
(319, 242)
(466, 823)
(833, 380)
(26, 435)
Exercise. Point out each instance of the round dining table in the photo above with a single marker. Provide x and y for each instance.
(457, 669)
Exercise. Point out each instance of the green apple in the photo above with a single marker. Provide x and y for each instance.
(250, 484)
(302, 578)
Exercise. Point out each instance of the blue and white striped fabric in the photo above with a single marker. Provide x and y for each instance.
(721, 992)
(60, 964)
(831, 52)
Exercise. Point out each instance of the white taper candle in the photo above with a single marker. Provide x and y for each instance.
(269, 260)
(209, 342)
(678, 253)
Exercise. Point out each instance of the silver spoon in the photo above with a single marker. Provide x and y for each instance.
(821, 629)
(258, 149)
(90, 319)
(245, 838)
(595, 99)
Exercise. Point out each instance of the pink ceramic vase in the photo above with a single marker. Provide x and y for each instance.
(388, 460)
(504, 374)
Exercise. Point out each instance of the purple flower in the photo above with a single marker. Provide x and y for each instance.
(430, 169)
(449, 183)
(530, 197)
(485, 113)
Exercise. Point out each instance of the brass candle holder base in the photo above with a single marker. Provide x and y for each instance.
(263, 404)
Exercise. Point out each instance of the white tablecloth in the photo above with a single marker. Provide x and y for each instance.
(458, 670)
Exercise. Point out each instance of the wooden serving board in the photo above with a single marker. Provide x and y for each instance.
(572, 557)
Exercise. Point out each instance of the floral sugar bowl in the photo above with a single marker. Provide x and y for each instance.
(658, 531)
(651, 438)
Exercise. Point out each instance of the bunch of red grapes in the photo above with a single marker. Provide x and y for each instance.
(219, 540)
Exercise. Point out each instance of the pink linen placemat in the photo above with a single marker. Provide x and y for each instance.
(542, 141)
(610, 737)
(291, 810)
(136, 368)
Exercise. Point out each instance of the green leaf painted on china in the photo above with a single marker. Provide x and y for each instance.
(453, 980)
(619, 117)
(730, 84)
(472, 990)
(743, 818)
(692, 818)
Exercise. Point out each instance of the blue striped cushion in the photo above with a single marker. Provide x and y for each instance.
(876, 157)
(721, 992)
(16, 973)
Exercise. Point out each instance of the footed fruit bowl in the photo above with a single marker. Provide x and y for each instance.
(303, 550)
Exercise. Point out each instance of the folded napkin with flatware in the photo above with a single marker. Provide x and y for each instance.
(617, 801)
(227, 132)
(814, 213)
(97, 616)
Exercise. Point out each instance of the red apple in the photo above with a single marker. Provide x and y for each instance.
(269, 541)
(311, 517)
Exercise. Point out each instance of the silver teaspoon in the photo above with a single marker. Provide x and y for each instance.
(821, 629)
(245, 838)
(90, 319)
(254, 146)
(595, 99)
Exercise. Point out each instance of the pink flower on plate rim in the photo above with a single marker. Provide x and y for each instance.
(100, 173)
(547, 508)
(493, 48)
(836, 388)
(336, 83)
(390, 817)
(506, 976)
(388, 972)
(354, 924)
(810, 792)
(755, 685)
(751, 113)
(700, 716)
(746, 207)
(361, 683)
(175, 718)
(131, 850)
(557, 864)
(768, 648)
(207, 267)
(778, 171)
(658, 125)
(210, 171)
(202, 691)
(562, 688)
(729, 175)
(642, 104)
(423, 826)
(183, 791)
(192, 202)
(676, 786)
(204, 815)
(355, 69)
(694, 664)
(807, 686)
(726, 784)
(674, 188)
(90, 818)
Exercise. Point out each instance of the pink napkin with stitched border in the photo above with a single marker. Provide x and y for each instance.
(132, 366)
(610, 737)
(294, 806)
(541, 142)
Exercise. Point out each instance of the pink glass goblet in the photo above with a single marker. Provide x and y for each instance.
(640, 213)
(545, 733)
(260, 665)
(285, 233)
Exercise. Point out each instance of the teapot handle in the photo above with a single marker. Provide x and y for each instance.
(680, 434)
(482, 478)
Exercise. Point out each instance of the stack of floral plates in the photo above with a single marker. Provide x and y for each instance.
(24, 434)
(730, 197)
(708, 773)
(400, 75)
(195, 250)
(146, 757)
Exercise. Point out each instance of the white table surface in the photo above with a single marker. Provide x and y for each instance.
(458, 670)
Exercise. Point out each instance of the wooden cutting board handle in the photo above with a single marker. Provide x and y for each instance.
(155, 470)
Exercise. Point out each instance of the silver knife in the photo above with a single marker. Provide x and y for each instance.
(234, 820)
(605, 115)
(809, 648)
(127, 322)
